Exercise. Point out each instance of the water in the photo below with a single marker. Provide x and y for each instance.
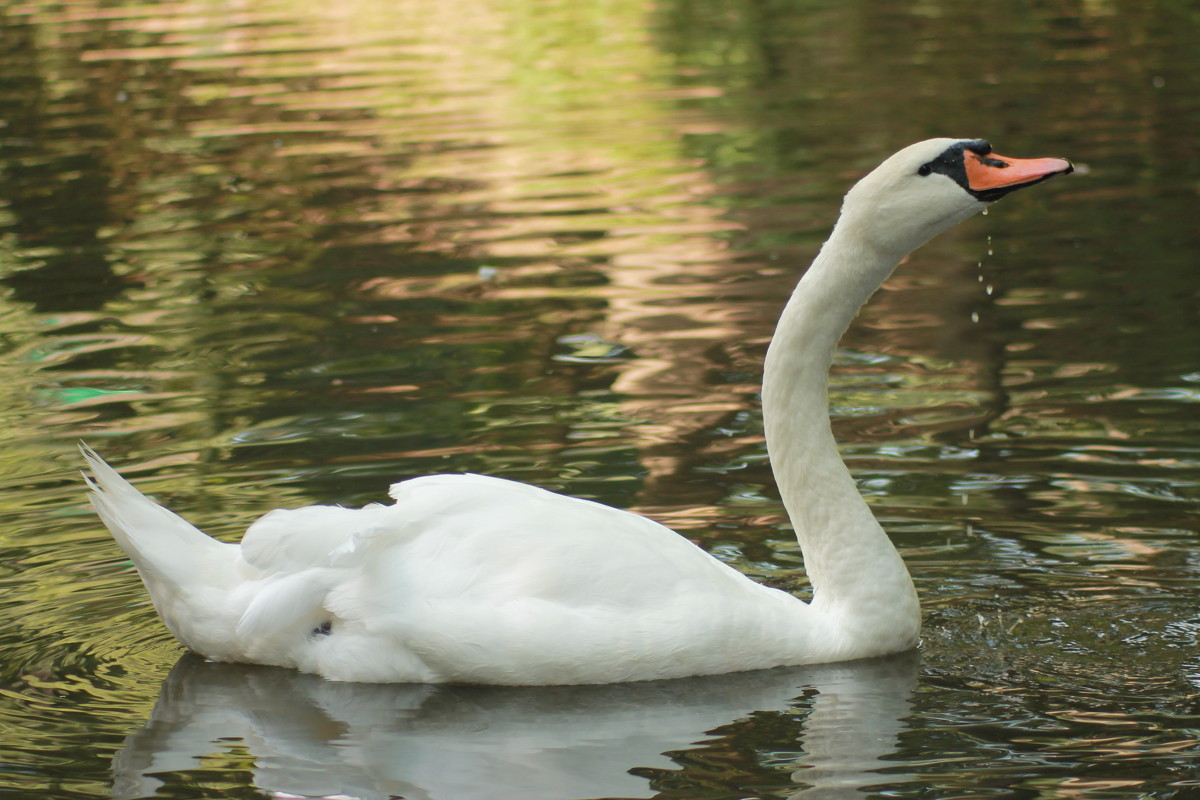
(263, 255)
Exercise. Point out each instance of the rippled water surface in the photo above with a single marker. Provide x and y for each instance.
(267, 254)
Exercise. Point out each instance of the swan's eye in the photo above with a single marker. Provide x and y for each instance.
(924, 170)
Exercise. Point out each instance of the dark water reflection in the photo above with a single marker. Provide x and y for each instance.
(268, 255)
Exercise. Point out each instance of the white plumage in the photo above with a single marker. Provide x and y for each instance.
(473, 579)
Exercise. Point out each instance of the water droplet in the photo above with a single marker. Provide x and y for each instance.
(989, 289)
(974, 316)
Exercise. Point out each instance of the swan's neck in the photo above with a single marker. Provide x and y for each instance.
(856, 574)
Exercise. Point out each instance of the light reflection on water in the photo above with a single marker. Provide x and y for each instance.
(277, 255)
(463, 742)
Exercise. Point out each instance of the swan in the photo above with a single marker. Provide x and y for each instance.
(475, 579)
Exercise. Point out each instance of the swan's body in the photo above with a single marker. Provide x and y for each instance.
(472, 579)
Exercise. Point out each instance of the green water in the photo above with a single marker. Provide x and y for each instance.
(267, 254)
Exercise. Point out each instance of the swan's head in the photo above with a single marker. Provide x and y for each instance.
(932, 185)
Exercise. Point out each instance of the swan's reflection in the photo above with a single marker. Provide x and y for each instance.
(307, 737)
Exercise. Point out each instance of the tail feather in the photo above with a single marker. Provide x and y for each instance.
(162, 545)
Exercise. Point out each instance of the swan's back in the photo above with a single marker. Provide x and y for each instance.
(464, 578)
(480, 579)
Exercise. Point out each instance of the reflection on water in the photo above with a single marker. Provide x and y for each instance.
(300, 735)
(266, 254)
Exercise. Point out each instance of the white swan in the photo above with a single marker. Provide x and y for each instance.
(471, 579)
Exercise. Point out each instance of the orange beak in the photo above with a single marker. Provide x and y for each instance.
(990, 172)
